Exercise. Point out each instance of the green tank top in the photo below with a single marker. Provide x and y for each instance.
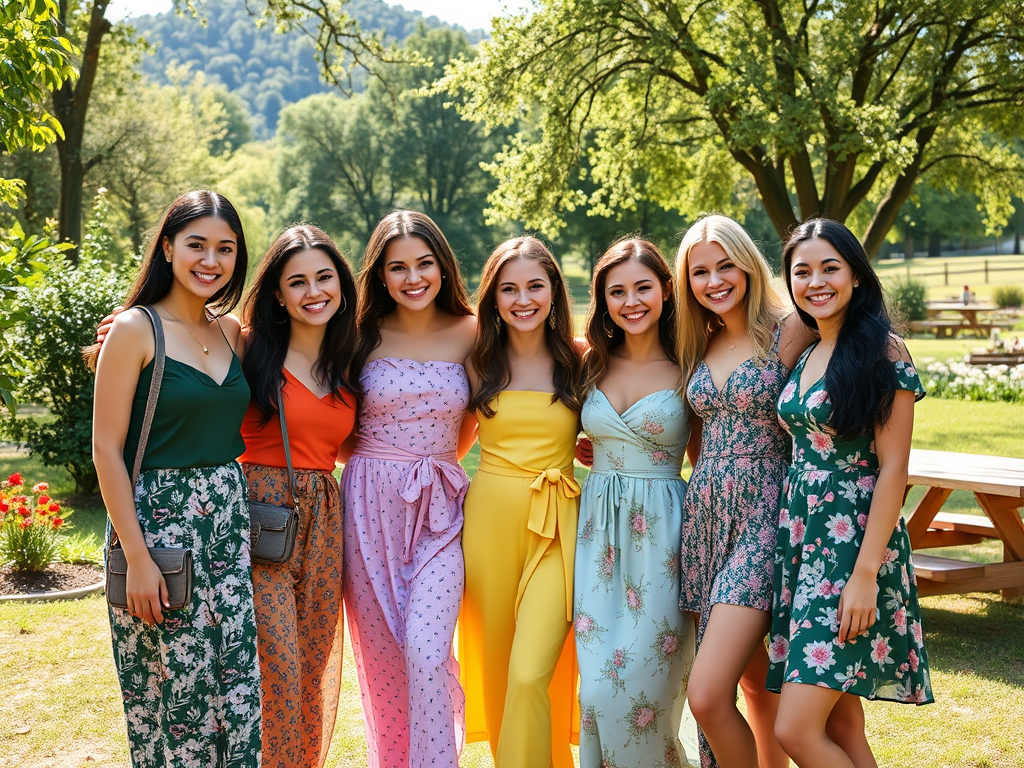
(196, 423)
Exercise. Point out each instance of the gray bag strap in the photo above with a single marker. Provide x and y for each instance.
(159, 362)
(287, 449)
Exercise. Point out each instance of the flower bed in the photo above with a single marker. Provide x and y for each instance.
(959, 380)
(30, 525)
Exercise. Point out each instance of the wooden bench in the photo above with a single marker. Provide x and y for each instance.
(997, 358)
(942, 328)
(998, 486)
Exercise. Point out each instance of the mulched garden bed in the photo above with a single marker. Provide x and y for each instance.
(57, 578)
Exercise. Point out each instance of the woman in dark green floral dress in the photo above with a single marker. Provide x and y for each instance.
(845, 619)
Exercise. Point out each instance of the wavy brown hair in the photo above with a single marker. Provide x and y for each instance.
(269, 325)
(375, 303)
(598, 338)
(490, 351)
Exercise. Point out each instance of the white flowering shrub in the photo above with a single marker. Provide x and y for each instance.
(959, 380)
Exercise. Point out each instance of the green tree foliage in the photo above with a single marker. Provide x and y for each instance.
(345, 163)
(271, 65)
(35, 59)
(824, 107)
(907, 299)
(60, 319)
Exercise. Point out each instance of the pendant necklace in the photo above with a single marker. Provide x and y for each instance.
(206, 349)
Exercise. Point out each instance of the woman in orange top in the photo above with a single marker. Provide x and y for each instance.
(299, 317)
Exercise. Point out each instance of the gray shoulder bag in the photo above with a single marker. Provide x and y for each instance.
(273, 528)
(175, 563)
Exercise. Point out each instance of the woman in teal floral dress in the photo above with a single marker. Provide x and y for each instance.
(190, 678)
(845, 620)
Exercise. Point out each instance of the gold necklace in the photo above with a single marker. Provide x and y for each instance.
(206, 349)
(731, 344)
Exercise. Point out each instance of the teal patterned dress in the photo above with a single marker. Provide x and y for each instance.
(634, 645)
(825, 505)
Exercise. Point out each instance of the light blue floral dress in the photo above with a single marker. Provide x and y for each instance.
(634, 644)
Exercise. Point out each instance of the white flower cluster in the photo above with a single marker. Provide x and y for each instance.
(959, 380)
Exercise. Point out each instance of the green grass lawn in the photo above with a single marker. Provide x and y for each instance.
(964, 270)
(62, 708)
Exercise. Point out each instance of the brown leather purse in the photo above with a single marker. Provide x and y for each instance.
(175, 563)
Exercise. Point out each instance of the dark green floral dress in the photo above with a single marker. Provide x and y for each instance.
(825, 505)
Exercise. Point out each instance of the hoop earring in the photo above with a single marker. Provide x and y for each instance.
(344, 306)
(497, 320)
(609, 332)
(551, 319)
(287, 318)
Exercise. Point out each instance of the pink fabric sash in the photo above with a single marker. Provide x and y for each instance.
(431, 485)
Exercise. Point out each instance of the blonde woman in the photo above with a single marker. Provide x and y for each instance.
(737, 342)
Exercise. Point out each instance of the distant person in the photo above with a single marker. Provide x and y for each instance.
(967, 297)
(845, 618)
(190, 678)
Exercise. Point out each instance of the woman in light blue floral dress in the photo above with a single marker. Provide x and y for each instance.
(633, 643)
(736, 346)
(845, 619)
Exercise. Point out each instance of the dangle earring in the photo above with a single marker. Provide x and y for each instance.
(497, 320)
(344, 306)
(551, 318)
(609, 332)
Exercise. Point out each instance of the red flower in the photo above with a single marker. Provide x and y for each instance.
(43, 500)
(15, 479)
(24, 511)
(26, 523)
(41, 511)
(40, 487)
(54, 507)
(4, 507)
(58, 522)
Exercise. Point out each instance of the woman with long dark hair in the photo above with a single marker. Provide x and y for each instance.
(403, 490)
(299, 319)
(632, 640)
(845, 617)
(520, 513)
(189, 677)
(738, 339)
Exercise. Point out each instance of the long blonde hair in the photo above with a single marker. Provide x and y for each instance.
(766, 304)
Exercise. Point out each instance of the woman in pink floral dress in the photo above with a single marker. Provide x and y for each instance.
(845, 619)
(403, 490)
(736, 346)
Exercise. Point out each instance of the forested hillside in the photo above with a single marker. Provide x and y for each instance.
(267, 70)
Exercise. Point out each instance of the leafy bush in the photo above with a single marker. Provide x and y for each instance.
(907, 298)
(956, 380)
(1008, 296)
(30, 528)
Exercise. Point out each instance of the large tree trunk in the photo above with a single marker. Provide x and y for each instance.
(70, 105)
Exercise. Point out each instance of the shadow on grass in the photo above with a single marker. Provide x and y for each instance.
(977, 634)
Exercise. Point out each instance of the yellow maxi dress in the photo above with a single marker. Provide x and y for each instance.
(516, 651)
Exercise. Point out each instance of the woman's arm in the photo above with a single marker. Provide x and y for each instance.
(858, 602)
(467, 434)
(128, 348)
(348, 445)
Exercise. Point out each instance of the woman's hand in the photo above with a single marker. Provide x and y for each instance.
(105, 323)
(858, 605)
(585, 452)
(146, 590)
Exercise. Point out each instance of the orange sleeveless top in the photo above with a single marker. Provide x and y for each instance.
(316, 429)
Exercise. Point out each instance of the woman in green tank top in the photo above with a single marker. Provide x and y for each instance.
(189, 677)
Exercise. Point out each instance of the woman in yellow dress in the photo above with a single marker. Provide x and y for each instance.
(515, 647)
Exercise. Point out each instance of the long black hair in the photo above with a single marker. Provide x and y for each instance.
(860, 378)
(269, 326)
(156, 275)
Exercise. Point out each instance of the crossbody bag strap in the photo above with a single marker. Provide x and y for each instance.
(159, 362)
(287, 448)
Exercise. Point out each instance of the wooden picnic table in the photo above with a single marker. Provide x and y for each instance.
(969, 313)
(998, 486)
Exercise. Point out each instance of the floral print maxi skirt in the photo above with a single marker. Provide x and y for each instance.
(191, 685)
